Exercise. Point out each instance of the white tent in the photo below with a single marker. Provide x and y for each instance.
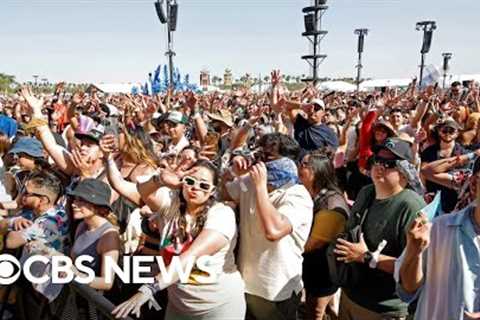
(116, 87)
(379, 83)
(463, 77)
(337, 86)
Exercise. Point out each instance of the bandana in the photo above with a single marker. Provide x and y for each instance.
(280, 172)
(411, 174)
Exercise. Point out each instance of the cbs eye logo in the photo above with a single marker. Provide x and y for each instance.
(8, 264)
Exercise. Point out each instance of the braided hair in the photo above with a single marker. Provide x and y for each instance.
(201, 218)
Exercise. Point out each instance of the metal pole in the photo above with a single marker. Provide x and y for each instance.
(359, 70)
(422, 65)
(170, 52)
(315, 50)
(444, 79)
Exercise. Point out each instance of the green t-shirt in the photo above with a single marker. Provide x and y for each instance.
(387, 219)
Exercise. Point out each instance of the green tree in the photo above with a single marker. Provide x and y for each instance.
(6, 82)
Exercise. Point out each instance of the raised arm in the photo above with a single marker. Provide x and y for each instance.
(123, 187)
(274, 224)
(59, 155)
(411, 270)
(148, 190)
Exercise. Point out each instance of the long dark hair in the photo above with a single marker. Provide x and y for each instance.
(321, 162)
(201, 218)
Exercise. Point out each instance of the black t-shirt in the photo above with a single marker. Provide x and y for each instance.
(387, 219)
(449, 196)
(312, 137)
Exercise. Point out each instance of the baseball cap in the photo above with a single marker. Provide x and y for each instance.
(94, 134)
(398, 147)
(449, 122)
(93, 191)
(29, 146)
(177, 117)
(318, 102)
(87, 129)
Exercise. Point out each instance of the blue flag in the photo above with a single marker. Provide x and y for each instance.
(434, 208)
(145, 89)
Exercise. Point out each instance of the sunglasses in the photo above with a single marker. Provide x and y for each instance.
(386, 163)
(192, 182)
(448, 130)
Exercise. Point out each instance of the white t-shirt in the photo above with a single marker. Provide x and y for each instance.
(176, 148)
(195, 298)
(272, 269)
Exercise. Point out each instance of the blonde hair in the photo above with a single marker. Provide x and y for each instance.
(472, 120)
(138, 147)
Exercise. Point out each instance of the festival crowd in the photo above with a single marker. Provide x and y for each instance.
(308, 204)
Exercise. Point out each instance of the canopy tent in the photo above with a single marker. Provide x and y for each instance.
(115, 87)
(380, 83)
(336, 86)
(211, 89)
(462, 77)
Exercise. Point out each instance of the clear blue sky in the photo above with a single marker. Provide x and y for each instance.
(122, 40)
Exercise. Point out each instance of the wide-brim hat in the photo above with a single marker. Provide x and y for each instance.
(29, 146)
(93, 191)
(223, 116)
(387, 126)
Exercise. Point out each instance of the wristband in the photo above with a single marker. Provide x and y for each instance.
(148, 292)
(471, 156)
(196, 114)
(11, 221)
(376, 254)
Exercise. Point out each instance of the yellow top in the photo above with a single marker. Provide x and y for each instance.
(327, 225)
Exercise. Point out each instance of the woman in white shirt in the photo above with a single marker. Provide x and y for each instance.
(191, 224)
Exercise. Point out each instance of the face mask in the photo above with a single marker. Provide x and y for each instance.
(281, 172)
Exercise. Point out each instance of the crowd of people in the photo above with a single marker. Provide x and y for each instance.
(309, 204)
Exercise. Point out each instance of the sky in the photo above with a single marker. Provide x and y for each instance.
(123, 40)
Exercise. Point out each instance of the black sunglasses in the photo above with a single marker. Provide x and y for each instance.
(379, 161)
(448, 130)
